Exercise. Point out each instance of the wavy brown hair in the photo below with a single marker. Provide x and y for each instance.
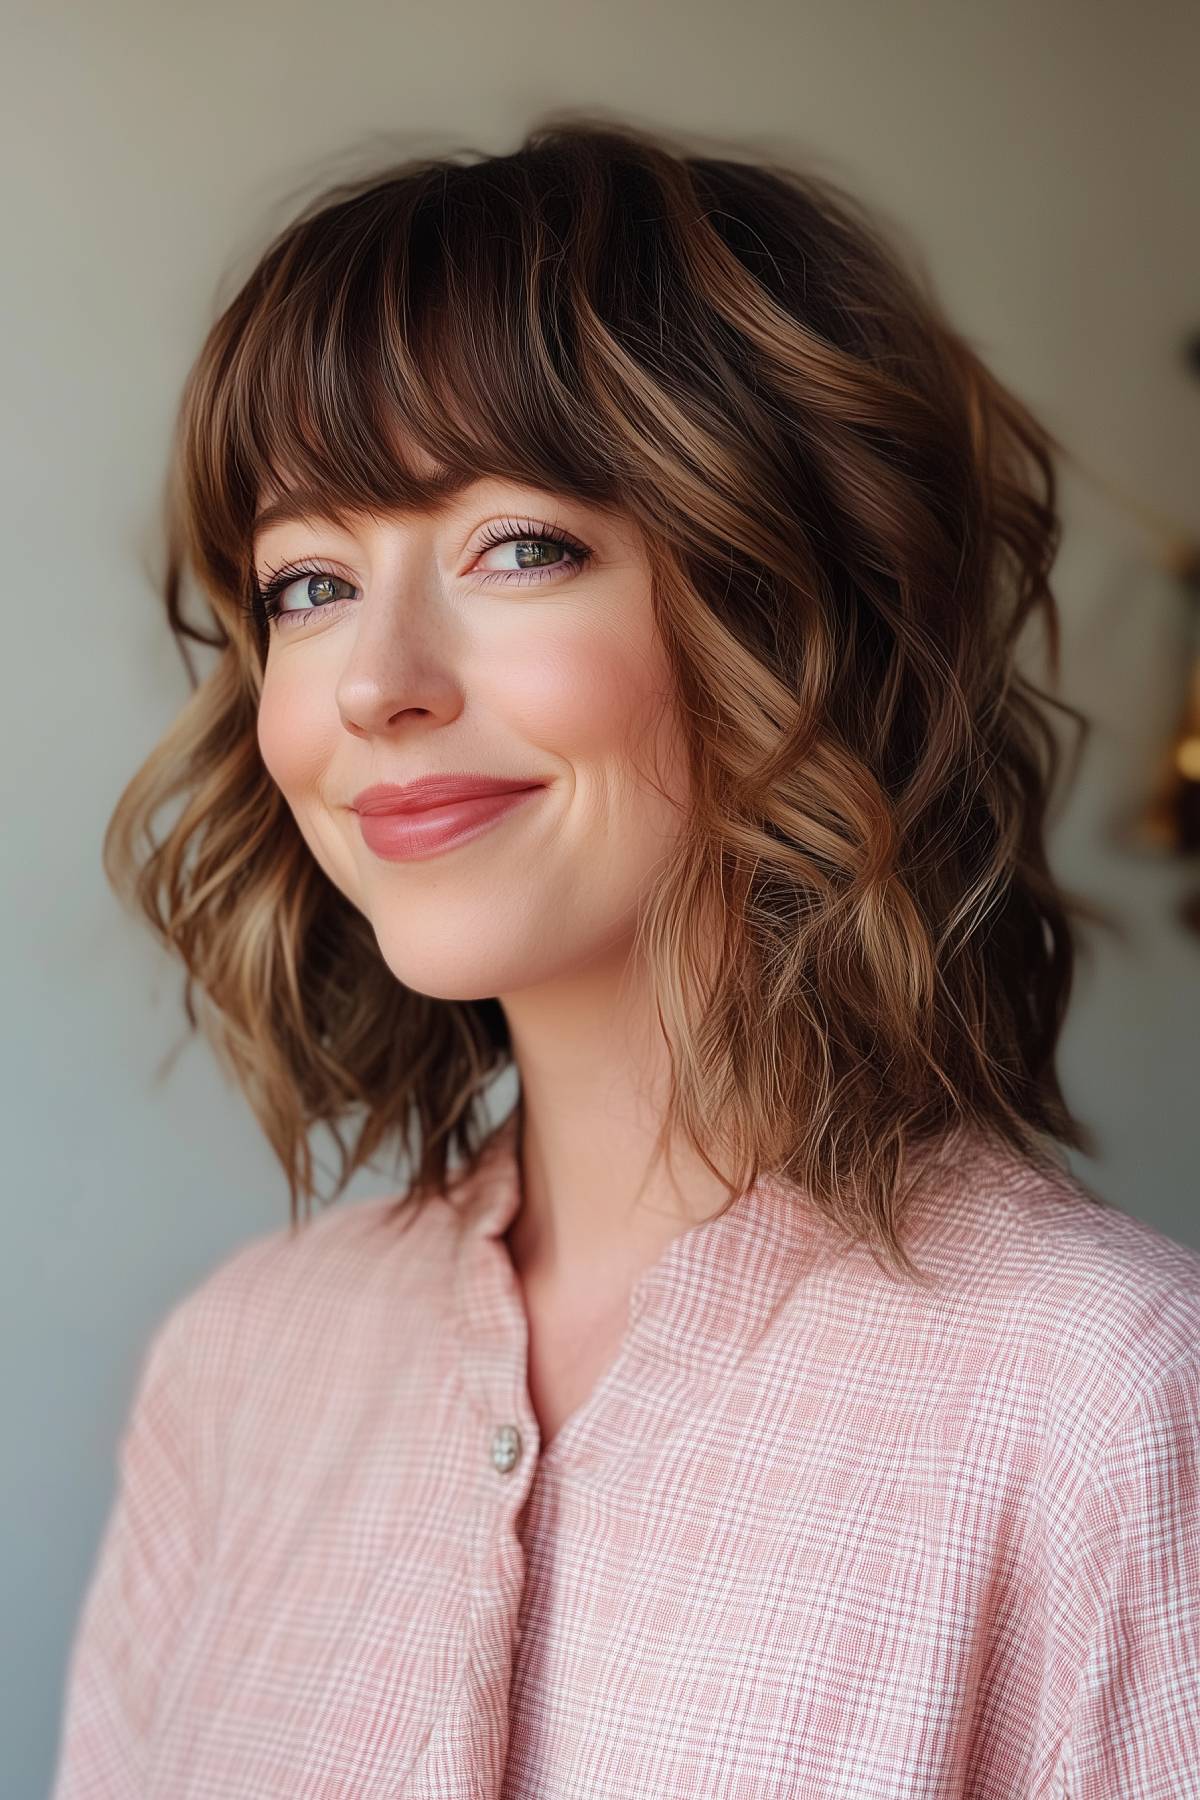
(849, 521)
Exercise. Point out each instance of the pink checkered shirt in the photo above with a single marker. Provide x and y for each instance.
(814, 1533)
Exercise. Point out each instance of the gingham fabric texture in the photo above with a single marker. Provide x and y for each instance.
(814, 1532)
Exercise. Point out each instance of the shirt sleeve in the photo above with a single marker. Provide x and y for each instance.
(1134, 1726)
(140, 1589)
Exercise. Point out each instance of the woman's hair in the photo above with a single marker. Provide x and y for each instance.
(857, 945)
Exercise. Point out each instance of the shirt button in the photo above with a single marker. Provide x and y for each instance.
(506, 1447)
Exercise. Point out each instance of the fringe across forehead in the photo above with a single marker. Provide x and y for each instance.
(395, 345)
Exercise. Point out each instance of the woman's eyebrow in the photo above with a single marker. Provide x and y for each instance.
(306, 503)
(299, 503)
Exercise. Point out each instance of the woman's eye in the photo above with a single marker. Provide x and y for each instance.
(318, 589)
(531, 553)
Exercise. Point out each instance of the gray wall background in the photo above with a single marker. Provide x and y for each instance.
(1045, 161)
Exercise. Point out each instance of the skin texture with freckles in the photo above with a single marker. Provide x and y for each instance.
(423, 666)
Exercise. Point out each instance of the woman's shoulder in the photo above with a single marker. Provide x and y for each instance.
(351, 1275)
(1067, 1288)
(344, 1251)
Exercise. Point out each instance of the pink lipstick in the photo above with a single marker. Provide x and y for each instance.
(406, 830)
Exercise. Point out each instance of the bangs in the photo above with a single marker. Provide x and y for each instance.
(400, 344)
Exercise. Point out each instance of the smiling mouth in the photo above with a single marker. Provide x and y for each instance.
(403, 836)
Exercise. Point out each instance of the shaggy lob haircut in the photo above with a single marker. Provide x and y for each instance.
(848, 521)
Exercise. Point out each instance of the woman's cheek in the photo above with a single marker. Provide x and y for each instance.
(297, 750)
(580, 697)
(292, 740)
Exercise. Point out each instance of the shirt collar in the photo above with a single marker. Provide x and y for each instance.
(714, 1287)
(770, 1224)
(711, 1299)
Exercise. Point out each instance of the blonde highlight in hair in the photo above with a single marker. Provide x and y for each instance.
(857, 946)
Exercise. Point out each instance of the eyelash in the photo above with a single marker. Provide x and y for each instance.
(266, 597)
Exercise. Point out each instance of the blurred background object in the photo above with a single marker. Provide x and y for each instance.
(1167, 822)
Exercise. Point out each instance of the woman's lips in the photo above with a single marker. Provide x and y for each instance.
(400, 836)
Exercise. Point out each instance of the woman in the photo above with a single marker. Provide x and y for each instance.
(762, 1408)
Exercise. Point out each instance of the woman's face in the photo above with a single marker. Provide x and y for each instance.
(404, 659)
